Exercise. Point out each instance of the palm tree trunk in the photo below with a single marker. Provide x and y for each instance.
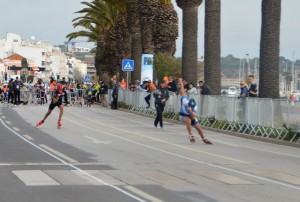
(190, 45)
(269, 49)
(136, 42)
(212, 47)
(190, 38)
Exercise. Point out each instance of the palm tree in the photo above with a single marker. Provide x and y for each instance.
(97, 21)
(212, 47)
(165, 28)
(190, 35)
(135, 34)
(147, 12)
(269, 49)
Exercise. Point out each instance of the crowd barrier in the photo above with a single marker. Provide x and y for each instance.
(255, 115)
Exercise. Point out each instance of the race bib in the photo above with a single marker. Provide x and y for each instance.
(18, 86)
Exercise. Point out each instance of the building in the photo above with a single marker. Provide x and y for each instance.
(90, 61)
(38, 53)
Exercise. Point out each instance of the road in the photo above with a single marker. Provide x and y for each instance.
(113, 156)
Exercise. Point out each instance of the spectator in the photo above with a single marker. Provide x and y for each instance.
(123, 84)
(244, 90)
(172, 85)
(161, 96)
(11, 91)
(115, 94)
(253, 86)
(17, 85)
(192, 92)
(113, 81)
(65, 90)
(103, 94)
(150, 88)
(204, 88)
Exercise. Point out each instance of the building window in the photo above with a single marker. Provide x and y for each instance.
(15, 40)
(43, 53)
(43, 63)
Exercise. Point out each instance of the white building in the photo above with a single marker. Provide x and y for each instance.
(38, 53)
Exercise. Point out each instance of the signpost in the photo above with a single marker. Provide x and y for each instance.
(127, 66)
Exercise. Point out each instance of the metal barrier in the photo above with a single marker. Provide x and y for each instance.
(256, 116)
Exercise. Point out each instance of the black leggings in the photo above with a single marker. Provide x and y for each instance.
(159, 111)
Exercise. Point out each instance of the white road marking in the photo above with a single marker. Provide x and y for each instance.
(142, 194)
(74, 167)
(8, 122)
(28, 137)
(3, 117)
(35, 178)
(190, 159)
(248, 140)
(226, 143)
(95, 141)
(16, 129)
(57, 153)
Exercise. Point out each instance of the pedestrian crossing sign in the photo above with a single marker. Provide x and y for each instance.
(87, 78)
(127, 65)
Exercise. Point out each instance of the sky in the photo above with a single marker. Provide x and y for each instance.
(51, 20)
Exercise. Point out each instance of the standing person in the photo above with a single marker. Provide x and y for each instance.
(192, 92)
(188, 115)
(204, 88)
(244, 90)
(17, 85)
(56, 101)
(115, 94)
(65, 90)
(172, 85)
(103, 94)
(253, 86)
(10, 91)
(161, 96)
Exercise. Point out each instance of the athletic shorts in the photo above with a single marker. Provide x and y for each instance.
(53, 105)
(194, 122)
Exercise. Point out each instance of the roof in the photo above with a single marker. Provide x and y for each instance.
(15, 57)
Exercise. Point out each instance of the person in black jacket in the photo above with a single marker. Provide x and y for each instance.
(253, 87)
(204, 89)
(161, 96)
(103, 94)
(172, 85)
(17, 90)
(115, 94)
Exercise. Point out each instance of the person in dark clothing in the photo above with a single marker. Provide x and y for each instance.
(115, 94)
(10, 91)
(204, 88)
(172, 85)
(253, 87)
(17, 85)
(161, 96)
(103, 94)
(64, 83)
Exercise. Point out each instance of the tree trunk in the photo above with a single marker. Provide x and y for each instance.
(136, 42)
(269, 49)
(190, 44)
(212, 47)
(147, 12)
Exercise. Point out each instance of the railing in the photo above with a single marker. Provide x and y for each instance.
(279, 119)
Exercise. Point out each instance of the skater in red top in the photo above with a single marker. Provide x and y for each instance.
(58, 95)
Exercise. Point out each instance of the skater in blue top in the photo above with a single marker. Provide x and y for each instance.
(188, 113)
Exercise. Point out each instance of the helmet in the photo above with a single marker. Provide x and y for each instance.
(192, 103)
(59, 87)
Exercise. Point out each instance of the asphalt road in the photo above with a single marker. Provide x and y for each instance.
(113, 156)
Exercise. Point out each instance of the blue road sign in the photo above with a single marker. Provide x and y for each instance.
(87, 78)
(127, 65)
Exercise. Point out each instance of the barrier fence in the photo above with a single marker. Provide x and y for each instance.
(271, 118)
